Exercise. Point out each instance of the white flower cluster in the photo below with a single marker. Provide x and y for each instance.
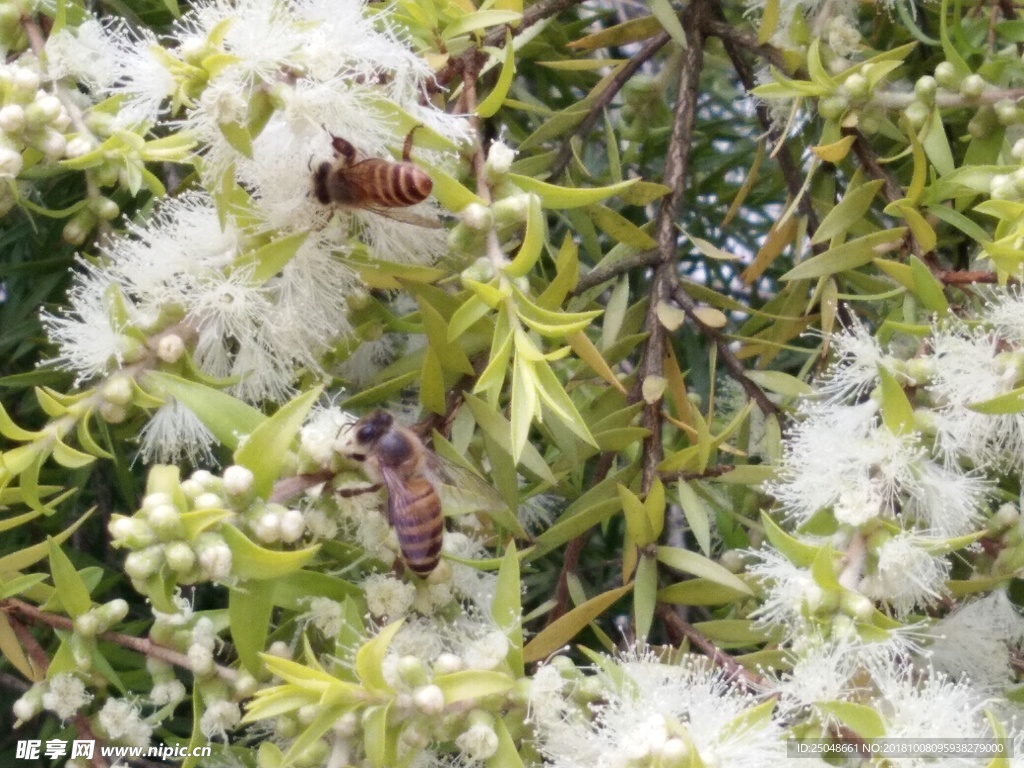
(250, 280)
(641, 711)
(891, 480)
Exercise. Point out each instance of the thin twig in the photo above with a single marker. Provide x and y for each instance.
(604, 98)
(791, 174)
(146, 647)
(682, 629)
(575, 548)
(665, 278)
(597, 276)
(725, 354)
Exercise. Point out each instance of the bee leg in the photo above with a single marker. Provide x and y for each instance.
(407, 147)
(348, 493)
(344, 149)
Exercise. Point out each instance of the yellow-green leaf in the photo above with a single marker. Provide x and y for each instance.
(249, 561)
(567, 197)
(496, 98)
(564, 628)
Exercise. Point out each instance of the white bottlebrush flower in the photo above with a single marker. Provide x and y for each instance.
(388, 597)
(121, 720)
(143, 80)
(933, 706)
(89, 341)
(643, 717)
(831, 670)
(173, 433)
(976, 641)
(65, 695)
(789, 593)
(84, 53)
(854, 370)
(906, 576)
(971, 367)
(844, 458)
(326, 615)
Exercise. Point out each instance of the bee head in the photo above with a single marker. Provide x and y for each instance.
(370, 428)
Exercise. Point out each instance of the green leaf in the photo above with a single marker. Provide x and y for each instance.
(448, 191)
(249, 614)
(699, 592)
(473, 22)
(249, 561)
(851, 255)
(637, 522)
(228, 418)
(449, 353)
(507, 755)
(496, 97)
(524, 406)
(499, 429)
(564, 628)
(471, 311)
(560, 198)
(645, 595)
(697, 515)
(619, 228)
(74, 595)
(533, 240)
(698, 565)
(848, 213)
(927, 287)
(23, 558)
(266, 449)
(238, 137)
(269, 260)
(1007, 403)
(472, 684)
(507, 608)
(370, 659)
(662, 10)
(863, 720)
(897, 412)
(555, 397)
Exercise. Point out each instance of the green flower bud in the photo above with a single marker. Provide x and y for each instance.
(833, 107)
(856, 85)
(925, 89)
(973, 86)
(917, 113)
(144, 563)
(946, 76)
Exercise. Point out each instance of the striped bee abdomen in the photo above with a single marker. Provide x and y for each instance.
(396, 185)
(415, 512)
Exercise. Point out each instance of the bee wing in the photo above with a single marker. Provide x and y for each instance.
(464, 492)
(399, 496)
(406, 217)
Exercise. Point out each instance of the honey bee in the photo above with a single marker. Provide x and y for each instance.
(372, 184)
(397, 458)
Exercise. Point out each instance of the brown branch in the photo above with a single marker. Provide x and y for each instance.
(665, 279)
(725, 354)
(14, 607)
(595, 277)
(575, 548)
(866, 155)
(604, 98)
(715, 471)
(732, 41)
(967, 276)
(677, 628)
(734, 38)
